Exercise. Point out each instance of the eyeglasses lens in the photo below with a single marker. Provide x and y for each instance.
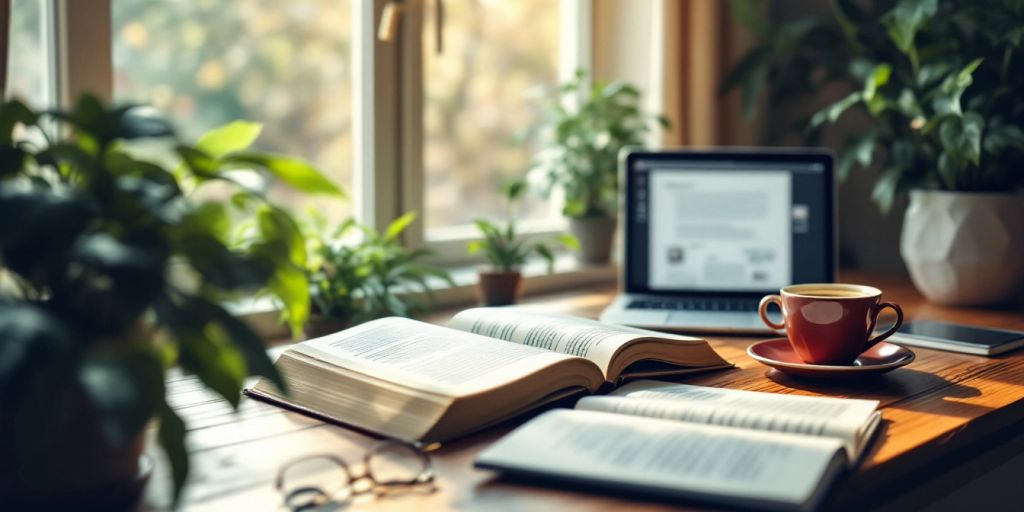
(314, 481)
(392, 463)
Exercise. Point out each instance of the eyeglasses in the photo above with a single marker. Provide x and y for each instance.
(388, 466)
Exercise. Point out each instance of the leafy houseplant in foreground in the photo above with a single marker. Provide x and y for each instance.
(370, 278)
(111, 275)
(589, 127)
(941, 82)
(506, 251)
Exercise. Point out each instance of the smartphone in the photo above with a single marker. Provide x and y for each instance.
(968, 339)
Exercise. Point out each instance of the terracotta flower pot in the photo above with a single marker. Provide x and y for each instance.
(499, 288)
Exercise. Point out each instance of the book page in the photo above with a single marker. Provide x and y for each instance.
(569, 335)
(427, 356)
(844, 419)
(653, 453)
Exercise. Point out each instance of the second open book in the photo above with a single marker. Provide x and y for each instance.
(415, 380)
(729, 446)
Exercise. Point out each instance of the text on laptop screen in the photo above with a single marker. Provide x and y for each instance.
(727, 226)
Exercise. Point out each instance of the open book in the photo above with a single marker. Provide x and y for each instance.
(739, 448)
(415, 380)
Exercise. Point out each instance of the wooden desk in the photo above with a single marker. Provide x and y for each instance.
(947, 419)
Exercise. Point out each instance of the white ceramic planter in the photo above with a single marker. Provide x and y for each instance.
(964, 248)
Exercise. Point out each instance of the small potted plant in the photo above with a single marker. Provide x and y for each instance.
(501, 282)
(110, 272)
(938, 81)
(588, 128)
(357, 274)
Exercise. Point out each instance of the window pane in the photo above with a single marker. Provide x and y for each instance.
(483, 97)
(28, 73)
(287, 65)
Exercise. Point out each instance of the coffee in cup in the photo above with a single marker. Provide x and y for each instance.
(830, 323)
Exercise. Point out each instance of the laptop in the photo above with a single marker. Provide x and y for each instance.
(710, 232)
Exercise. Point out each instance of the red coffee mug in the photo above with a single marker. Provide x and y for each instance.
(830, 323)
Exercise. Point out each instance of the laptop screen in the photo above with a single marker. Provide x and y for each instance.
(713, 222)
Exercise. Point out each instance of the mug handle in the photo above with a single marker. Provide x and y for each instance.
(762, 310)
(892, 330)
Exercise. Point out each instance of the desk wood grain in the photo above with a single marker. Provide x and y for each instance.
(940, 413)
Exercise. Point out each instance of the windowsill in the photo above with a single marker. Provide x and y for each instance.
(262, 313)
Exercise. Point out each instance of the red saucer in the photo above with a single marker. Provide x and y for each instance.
(879, 359)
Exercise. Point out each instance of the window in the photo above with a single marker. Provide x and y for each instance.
(399, 126)
(29, 76)
(485, 97)
(287, 65)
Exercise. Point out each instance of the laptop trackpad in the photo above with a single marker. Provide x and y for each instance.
(736, 319)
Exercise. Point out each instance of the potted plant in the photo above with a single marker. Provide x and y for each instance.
(372, 276)
(111, 274)
(589, 126)
(940, 82)
(501, 282)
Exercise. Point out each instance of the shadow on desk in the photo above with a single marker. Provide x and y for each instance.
(906, 389)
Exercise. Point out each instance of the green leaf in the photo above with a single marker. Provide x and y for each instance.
(953, 87)
(931, 72)
(832, 112)
(398, 225)
(172, 440)
(861, 152)
(906, 18)
(126, 384)
(211, 217)
(961, 137)
(879, 77)
(295, 172)
(202, 165)
(886, 188)
(279, 229)
(12, 113)
(569, 241)
(545, 252)
(226, 270)
(908, 105)
(136, 122)
(234, 136)
(1001, 137)
(209, 355)
(513, 190)
(241, 335)
(575, 208)
(132, 276)
(290, 285)
(949, 169)
(33, 339)
(876, 105)
(39, 228)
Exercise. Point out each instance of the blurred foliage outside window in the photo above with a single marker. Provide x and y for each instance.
(285, 64)
(484, 101)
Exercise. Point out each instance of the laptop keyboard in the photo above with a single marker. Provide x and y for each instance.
(697, 304)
